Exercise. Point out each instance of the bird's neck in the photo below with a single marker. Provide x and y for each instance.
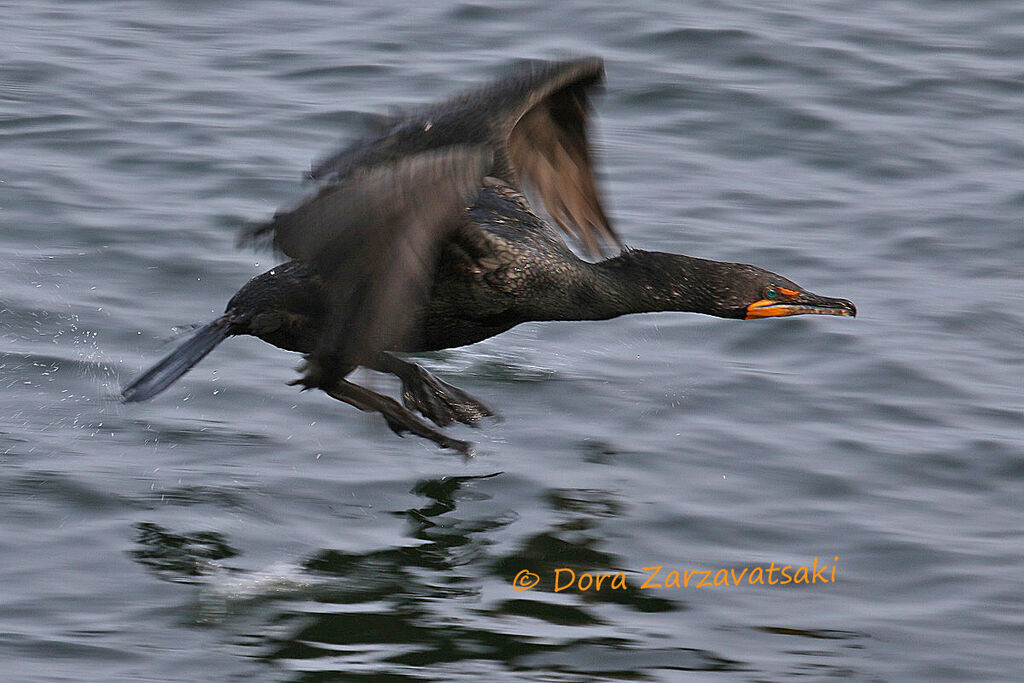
(642, 282)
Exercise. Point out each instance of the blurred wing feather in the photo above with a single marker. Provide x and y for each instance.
(534, 119)
(374, 238)
(549, 149)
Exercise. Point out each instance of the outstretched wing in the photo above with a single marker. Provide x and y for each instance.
(535, 120)
(374, 237)
(549, 149)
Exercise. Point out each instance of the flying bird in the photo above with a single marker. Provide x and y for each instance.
(421, 237)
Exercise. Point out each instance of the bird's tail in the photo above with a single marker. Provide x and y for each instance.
(167, 371)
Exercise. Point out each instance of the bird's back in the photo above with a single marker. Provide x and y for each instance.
(493, 271)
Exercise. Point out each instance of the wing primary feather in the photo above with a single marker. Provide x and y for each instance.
(549, 148)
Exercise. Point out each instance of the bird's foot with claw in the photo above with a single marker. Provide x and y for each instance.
(441, 402)
(411, 425)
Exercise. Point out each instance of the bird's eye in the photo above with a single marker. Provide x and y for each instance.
(771, 292)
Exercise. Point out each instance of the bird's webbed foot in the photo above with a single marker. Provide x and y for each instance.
(400, 420)
(437, 400)
(441, 402)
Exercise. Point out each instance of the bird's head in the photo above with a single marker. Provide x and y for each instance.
(747, 292)
(658, 281)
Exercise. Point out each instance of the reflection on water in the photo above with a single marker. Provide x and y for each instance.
(179, 557)
(401, 607)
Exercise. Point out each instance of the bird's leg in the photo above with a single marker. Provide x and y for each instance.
(400, 420)
(436, 399)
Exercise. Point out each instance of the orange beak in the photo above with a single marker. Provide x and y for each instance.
(803, 303)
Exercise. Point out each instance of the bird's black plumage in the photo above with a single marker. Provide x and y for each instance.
(421, 238)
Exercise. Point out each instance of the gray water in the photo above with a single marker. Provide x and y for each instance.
(235, 528)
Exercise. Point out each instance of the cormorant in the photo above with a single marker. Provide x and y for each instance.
(421, 238)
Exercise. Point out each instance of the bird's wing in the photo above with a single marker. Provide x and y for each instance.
(535, 120)
(549, 149)
(374, 237)
(541, 116)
